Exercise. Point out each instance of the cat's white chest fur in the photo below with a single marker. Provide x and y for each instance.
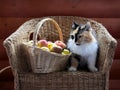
(83, 50)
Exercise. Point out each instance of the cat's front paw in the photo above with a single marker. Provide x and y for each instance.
(93, 69)
(72, 69)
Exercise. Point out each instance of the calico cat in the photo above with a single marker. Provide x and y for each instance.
(84, 46)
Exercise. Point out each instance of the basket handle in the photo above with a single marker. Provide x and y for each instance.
(39, 25)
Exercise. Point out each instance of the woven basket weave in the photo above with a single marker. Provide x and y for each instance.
(43, 61)
(26, 80)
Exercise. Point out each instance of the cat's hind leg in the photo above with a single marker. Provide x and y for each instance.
(74, 64)
(91, 63)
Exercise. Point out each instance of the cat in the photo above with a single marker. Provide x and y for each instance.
(84, 46)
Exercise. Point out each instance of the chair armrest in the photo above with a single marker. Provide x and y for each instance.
(13, 46)
(107, 45)
(10, 50)
(109, 55)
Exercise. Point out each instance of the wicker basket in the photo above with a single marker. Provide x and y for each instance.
(43, 61)
(63, 80)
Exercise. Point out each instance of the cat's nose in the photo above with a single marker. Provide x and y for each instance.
(77, 44)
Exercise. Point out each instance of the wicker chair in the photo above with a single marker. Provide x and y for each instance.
(24, 79)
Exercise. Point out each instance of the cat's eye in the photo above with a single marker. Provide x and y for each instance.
(80, 36)
(72, 36)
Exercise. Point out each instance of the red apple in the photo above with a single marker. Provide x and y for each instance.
(60, 43)
(42, 43)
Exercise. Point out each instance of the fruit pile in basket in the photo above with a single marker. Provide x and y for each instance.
(56, 47)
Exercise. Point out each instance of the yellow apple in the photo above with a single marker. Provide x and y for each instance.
(65, 52)
(45, 48)
(51, 45)
(30, 42)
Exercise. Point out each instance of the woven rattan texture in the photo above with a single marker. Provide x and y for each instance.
(62, 81)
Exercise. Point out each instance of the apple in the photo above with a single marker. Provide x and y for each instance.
(60, 43)
(65, 52)
(45, 48)
(30, 42)
(42, 43)
(50, 45)
(56, 49)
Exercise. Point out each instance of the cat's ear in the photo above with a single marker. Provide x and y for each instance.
(88, 26)
(74, 25)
